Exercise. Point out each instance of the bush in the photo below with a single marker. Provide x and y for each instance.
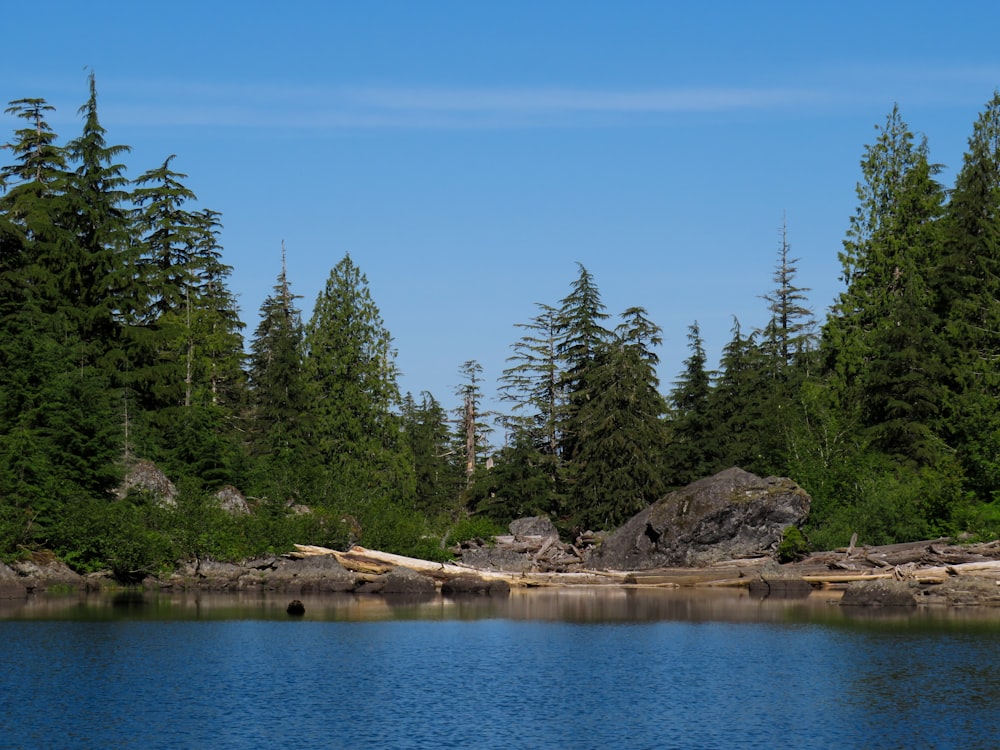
(15, 531)
(474, 527)
(793, 545)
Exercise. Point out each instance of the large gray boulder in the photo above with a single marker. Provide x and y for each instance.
(732, 515)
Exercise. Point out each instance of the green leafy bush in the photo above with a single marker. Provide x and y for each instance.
(793, 545)
(474, 527)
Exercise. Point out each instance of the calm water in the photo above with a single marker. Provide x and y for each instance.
(571, 669)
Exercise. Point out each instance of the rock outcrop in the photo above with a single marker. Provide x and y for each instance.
(475, 586)
(732, 515)
(402, 580)
(319, 574)
(146, 477)
(11, 585)
(42, 574)
(879, 593)
(232, 501)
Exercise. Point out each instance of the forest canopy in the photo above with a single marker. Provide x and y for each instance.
(122, 347)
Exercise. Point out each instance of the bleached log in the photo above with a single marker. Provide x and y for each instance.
(848, 578)
(985, 568)
(362, 560)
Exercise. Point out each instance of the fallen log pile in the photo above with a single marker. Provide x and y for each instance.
(527, 553)
(925, 562)
(556, 564)
(368, 562)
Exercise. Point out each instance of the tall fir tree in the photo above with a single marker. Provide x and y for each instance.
(278, 397)
(968, 302)
(691, 453)
(622, 435)
(99, 277)
(533, 384)
(582, 341)
(57, 441)
(437, 467)
(792, 327)
(880, 341)
(351, 378)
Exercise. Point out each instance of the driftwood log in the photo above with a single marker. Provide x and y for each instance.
(373, 562)
(924, 562)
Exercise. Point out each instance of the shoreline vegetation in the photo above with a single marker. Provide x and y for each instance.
(140, 426)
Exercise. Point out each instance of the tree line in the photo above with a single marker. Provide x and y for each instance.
(121, 343)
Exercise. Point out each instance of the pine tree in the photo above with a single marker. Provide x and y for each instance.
(57, 441)
(968, 301)
(186, 347)
(691, 453)
(533, 383)
(738, 402)
(792, 325)
(582, 338)
(880, 340)
(472, 418)
(622, 435)
(98, 277)
(352, 385)
(438, 474)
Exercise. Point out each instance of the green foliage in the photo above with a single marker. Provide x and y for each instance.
(128, 539)
(351, 382)
(438, 472)
(793, 545)
(520, 484)
(692, 453)
(474, 527)
(15, 531)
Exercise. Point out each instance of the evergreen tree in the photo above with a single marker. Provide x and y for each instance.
(880, 340)
(622, 435)
(738, 402)
(280, 428)
(533, 383)
(582, 340)
(438, 473)
(472, 418)
(351, 379)
(98, 270)
(185, 353)
(57, 441)
(792, 325)
(691, 453)
(968, 300)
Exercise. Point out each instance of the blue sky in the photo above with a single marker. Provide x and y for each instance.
(468, 154)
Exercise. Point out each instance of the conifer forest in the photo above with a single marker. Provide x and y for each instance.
(122, 350)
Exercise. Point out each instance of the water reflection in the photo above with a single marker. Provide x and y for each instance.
(580, 604)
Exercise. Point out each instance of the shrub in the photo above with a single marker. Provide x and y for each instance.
(793, 545)
(474, 527)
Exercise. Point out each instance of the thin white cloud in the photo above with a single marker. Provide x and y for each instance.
(270, 105)
(575, 100)
(267, 106)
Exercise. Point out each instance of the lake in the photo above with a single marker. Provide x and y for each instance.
(572, 668)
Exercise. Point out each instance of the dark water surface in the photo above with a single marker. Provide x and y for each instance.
(567, 669)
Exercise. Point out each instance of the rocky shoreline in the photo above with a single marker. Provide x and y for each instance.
(861, 574)
(725, 530)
